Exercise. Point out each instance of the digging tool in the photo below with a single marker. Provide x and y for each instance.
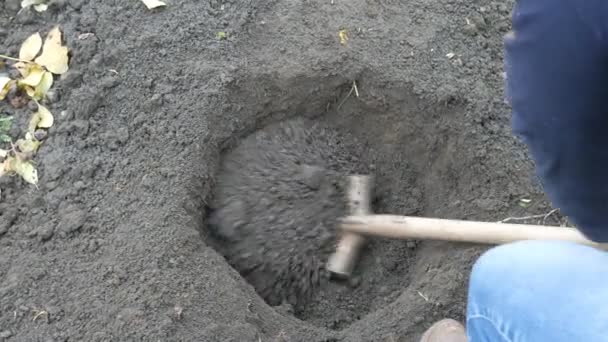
(356, 226)
(342, 262)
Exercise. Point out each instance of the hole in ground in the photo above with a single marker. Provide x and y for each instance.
(280, 189)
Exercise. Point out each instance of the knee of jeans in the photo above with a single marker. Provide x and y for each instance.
(519, 257)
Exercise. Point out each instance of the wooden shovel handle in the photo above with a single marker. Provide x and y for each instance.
(408, 227)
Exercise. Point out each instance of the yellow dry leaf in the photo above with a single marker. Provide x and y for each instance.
(34, 76)
(23, 168)
(343, 37)
(43, 87)
(33, 124)
(30, 91)
(46, 118)
(23, 68)
(54, 56)
(4, 167)
(153, 3)
(5, 84)
(30, 47)
(28, 145)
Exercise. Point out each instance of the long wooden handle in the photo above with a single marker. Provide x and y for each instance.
(408, 227)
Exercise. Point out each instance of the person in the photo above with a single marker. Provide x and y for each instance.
(556, 63)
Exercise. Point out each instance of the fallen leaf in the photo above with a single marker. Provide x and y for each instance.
(3, 153)
(54, 56)
(23, 168)
(43, 87)
(5, 84)
(151, 4)
(28, 3)
(34, 76)
(4, 167)
(46, 118)
(41, 119)
(221, 35)
(30, 47)
(23, 68)
(343, 37)
(29, 145)
(41, 7)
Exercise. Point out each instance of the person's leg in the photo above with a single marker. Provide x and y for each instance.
(539, 291)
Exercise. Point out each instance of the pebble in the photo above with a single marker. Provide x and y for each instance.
(6, 334)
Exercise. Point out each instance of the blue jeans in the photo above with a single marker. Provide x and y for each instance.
(537, 291)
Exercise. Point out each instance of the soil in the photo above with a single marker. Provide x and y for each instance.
(121, 241)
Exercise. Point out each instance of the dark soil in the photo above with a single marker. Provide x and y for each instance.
(115, 244)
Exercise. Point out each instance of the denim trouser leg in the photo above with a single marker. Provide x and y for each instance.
(536, 291)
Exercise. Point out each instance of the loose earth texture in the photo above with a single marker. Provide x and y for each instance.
(122, 240)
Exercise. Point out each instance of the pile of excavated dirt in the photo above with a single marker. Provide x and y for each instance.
(278, 197)
(116, 242)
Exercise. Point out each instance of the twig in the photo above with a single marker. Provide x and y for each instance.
(353, 88)
(346, 98)
(14, 59)
(423, 296)
(531, 217)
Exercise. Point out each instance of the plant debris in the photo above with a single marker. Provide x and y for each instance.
(38, 61)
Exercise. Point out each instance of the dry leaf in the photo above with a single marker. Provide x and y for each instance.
(343, 37)
(30, 47)
(4, 167)
(41, 7)
(41, 119)
(34, 76)
(46, 118)
(5, 84)
(28, 3)
(43, 87)
(23, 168)
(23, 68)
(151, 4)
(54, 56)
(29, 145)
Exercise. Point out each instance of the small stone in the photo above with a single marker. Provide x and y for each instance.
(6, 334)
(450, 55)
(411, 244)
(418, 319)
(40, 134)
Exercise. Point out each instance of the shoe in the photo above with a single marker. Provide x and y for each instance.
(446, 330)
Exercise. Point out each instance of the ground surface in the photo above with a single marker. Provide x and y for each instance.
(115, 245)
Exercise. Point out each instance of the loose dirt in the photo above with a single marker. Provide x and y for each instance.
(117, 245)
